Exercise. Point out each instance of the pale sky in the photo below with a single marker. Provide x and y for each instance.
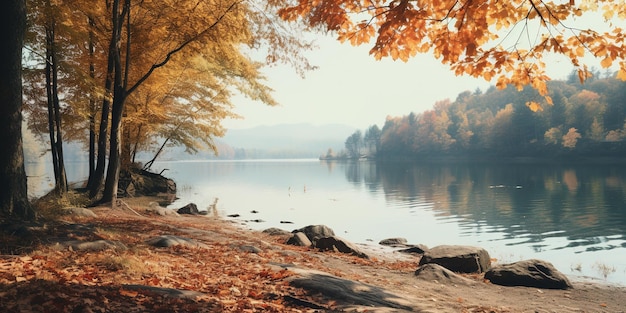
(351, 87)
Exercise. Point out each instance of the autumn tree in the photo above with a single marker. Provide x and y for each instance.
(553, 136)
(13, 191)
(571, 138)
(47, 48)
(354, 143)
(486, 39)
(149, 74)
(371, 139)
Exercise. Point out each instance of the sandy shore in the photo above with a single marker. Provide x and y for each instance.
(239, 270)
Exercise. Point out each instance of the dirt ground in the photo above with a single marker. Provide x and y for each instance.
(239, 270)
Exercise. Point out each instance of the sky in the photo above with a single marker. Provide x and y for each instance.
(350, 87)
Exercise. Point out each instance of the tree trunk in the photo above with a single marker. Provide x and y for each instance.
(13, 189)
(95, 181)
(62, 180)
(92, 103)
(113, 170)
(54, 111)
(109, 193)
(49, 97)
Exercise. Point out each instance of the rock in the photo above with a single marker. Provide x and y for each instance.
(168, 292)
(98, 245)
(233, 215)
(138, 182)
(393, 242)
(440, 274)
(190, 208)
(459, 259)
(251, 249)
(314, 232)
(414, 249)
(351, 295)
(166, 241)
(81, 212)
(334, 243)
(299, 239)
(159, 210)
(273, 231)
(530, 273)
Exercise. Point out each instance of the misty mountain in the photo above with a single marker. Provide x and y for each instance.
(298, 139)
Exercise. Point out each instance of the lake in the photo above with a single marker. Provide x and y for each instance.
(572, 216)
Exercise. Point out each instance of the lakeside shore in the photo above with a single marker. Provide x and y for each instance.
(240, 270)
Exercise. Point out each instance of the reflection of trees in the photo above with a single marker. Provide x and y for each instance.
(526, 202)
(358, 172)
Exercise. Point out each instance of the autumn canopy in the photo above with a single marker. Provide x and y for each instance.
(506, 40)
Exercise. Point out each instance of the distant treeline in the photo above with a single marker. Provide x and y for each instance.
(585, 121)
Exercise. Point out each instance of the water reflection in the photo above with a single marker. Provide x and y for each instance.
(572, 216)
(525, 204)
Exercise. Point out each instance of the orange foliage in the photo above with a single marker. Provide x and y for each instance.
(477, 39)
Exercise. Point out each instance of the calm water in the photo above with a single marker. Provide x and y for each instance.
(572, 216)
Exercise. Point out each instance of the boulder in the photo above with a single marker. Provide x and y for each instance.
(529, 273)
(350, 295)
(334, 243)
(414, 249)
(273, 231)
(81, 212)
(97, 245)
(440, 274)
(250, 249)
(299, 239)
(138, 182)
(166, 241)
(393, 242)
(159, 210)
(460, 259)
(190, 208)
(314, 232)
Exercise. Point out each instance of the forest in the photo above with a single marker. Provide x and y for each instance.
(124, 76)
(585, 120)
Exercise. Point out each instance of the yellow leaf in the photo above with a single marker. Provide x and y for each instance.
(606, 62)
(534, 106)
(621, 74)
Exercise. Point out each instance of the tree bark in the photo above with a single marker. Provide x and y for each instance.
(109, 194)
(92, 103)
(13, 189)
(95, 181)
(54, 110)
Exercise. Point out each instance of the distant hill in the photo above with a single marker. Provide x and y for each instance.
(292, 136)
(289, 140)
(262, 142)
(277, 141)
